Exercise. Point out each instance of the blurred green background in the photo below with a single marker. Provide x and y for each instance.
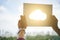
(37, 37)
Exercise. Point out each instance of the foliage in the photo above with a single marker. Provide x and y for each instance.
(38, 37)
(8, 38)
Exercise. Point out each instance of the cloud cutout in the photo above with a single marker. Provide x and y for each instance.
(37, 15)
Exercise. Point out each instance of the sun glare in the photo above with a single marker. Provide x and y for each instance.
(37, 15)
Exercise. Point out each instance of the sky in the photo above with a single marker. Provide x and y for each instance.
(10, 11)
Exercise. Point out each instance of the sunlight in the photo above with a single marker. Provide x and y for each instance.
(37, 15)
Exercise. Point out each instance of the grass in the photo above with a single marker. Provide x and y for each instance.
(38, 37)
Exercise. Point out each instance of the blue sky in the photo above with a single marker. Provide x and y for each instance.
(10, 11)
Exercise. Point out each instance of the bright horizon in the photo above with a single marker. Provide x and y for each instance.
(10, 11)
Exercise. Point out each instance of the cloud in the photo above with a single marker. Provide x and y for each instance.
(8, 21)
(2, 9)
(4, 13)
